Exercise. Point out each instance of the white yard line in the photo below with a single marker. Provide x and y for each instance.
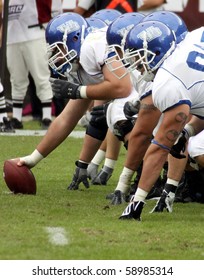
(57, 236)
(24, 132)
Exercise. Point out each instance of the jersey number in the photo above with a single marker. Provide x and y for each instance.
(195, 58)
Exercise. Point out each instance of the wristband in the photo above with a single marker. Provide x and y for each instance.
(81, 164)
(36, 156)
(189, 130)
(83, 92)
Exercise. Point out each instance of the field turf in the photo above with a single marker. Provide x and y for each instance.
(57, 224)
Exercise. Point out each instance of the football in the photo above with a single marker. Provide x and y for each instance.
(19, 179)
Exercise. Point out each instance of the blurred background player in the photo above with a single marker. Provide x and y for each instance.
(85, 7)
(26, 53)
(149, 6)
(5, 124)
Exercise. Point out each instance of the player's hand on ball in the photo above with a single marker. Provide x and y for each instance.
(30, 160)
(27, 160)
(19, 179)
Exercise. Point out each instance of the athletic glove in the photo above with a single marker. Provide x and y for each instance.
(131, 108)
(180, 144)
(80, 176)
(100, 112)
(179, 147)
(64, 89)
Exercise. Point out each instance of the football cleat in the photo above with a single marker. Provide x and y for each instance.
(165, 202)
(15, 123)
(155, 193)
(133, 211)
(45, 123)
(6, 126)
(118, 198)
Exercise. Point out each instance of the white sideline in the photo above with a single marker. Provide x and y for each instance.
(24, 132)
(57, 235)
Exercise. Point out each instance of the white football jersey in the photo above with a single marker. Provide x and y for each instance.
(92, 56)
(142, 87)
(180, 79)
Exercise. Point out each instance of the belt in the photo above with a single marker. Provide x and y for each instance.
(37, 25)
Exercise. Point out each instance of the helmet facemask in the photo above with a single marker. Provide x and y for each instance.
(115, 61)
(116, 54)
(60, 58)
(140, 60)
(145, 60)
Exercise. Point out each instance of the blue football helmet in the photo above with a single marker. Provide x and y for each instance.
(147, 45)
(95, 23)
(172, 20)
(121, 26)
(107, 15)
(64, 36)
(116, 34)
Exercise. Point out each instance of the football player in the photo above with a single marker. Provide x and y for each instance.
(178, 78)
(71, 51)
(118, 124)
(135, 156)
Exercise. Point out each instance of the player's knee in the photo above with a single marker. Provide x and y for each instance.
(122, 128)
(97, 129)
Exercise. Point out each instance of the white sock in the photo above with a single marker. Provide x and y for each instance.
(99, 157)
(46, 113)
(140, 195)
(17, 113)
(172, 182)
(125, 180)
(110, 163)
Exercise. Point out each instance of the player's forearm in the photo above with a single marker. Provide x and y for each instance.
(56, 134)
(149, 4)
(1, 7)
(107, 90)
(79, 10)
(86, 5)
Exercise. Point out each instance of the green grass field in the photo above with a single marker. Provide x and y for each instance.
(86, 221)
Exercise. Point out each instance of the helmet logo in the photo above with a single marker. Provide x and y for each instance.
(124, 30)
(70, 26)
(150, 34)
